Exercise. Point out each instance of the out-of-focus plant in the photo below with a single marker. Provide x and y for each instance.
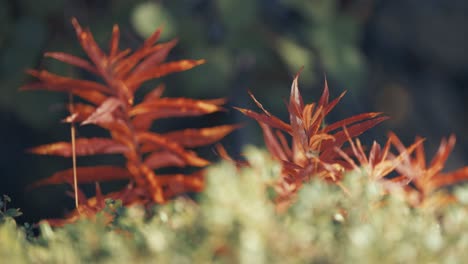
(236, 221)
(5, 212)
(282, 36)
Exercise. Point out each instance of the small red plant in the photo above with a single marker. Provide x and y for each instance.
(313, 144)
(380, 162)
(109, 103)
(424, 180)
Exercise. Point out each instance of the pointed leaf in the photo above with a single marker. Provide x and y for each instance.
(93, 97)
(295, 98)
(89, 45)
(54, 82)
(295, 108)
(446, 179)
(73, 60)
(354, 131)
(333, 103)
(201, 136)
(104, 113)
(86, 175)
(84, 147)
(420, 157)
(162, 159)
(146, 112)
(155, 94)
(315, 122)
(325, 94)
(274, 147)
(272, 121)
(443, 152)
(179, 183)
(161, 70)
(159, 55)
(114, 43)
(350, 120)
(175, 107)
(374, 154)
(118, 58)
(160, 142)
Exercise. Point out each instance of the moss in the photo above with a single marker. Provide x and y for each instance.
(235, 221)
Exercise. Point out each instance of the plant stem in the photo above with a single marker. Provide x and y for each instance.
(73, 141)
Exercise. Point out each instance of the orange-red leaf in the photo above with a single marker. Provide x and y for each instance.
(272, 143)
(73, 60)
(354, 131)
(128, 63)
(350, 120)
(296, 108)
(86, 175)
(161, 70)
(445, 148)
(54, 82)
(181, 183)
(450, 178)
(272, 121)
(160, 53)
(89, 45)
(160, 142)
(152, 109)
(93, 97)
(84, 147)
(201, 136)
(114, 43)
(161, 159)
(174, 107)
(332, 104)
(155, 94)
(325, 94)
(295, 98)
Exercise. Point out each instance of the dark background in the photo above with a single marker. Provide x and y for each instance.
(406, 58)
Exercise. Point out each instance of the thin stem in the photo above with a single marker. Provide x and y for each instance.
(73, 141)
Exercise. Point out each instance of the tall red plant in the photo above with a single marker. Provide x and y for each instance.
(109, 103)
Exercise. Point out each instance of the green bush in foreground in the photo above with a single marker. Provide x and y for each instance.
(236, 222)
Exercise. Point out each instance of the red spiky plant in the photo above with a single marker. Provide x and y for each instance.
(316, 150)
(380, 162)
(425, 180)
(109, 103)
(419, 182)
(312, 151)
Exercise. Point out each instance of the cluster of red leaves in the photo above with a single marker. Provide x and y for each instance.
(424, 181)
(316, 150)
(109, 103)
(418, 181)
(312, 151)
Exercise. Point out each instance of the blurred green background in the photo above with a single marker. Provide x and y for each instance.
(404, 57)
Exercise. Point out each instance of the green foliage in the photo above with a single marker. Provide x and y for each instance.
(7, 213)
(236, 222)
